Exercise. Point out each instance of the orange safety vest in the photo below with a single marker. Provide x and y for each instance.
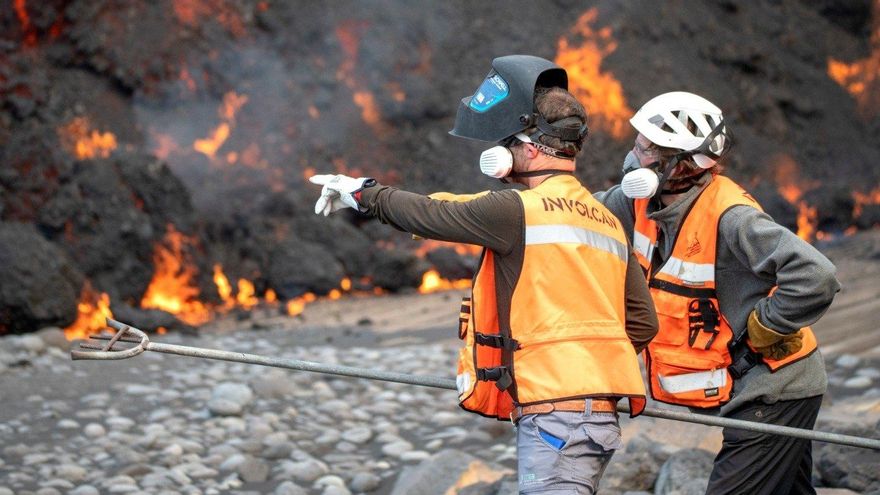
(689, 360)
(566, 336)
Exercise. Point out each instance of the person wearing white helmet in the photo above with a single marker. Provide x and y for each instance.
(734, 291)
(559, 308)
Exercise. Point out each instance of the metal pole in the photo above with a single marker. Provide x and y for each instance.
(448, 383)
(295, 364)
(142, 343)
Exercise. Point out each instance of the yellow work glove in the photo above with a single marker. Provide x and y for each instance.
(770, 343)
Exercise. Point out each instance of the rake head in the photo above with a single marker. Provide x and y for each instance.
(125, 343)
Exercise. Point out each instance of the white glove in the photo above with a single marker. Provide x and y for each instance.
(338, 192)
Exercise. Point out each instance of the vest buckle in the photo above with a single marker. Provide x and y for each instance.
(497, 341)
(499, 374)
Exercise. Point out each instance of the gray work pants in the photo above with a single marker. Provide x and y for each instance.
(565, 453)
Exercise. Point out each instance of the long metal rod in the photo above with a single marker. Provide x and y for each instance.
(448, 383)
(131, 335)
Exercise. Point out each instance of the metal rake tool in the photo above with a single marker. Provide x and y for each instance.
(129, 341)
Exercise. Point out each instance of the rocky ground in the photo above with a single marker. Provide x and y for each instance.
(162, 424)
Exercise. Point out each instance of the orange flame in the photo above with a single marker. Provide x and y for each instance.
(792, 188)
(190, 12)
(30, 33)
(172, 288)
(477, 472)
(861, 79)
(600, 92)
(209, 145)
(232, 103)
(84, 143)
(864, 199)
(806, 221)
(245, 297)
(369, 109)
(297, 305)
(348, 34)
(224, 288)
(270, 296)
(432, 282)
(92, 313)
(428, 245)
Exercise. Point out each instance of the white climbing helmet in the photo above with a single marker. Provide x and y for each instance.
(682, 120)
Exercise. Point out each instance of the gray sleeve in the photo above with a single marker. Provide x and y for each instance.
(620, 206)
(494, 221)
(804, 276)
(641, 319)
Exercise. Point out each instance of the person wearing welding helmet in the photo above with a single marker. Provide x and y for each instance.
(734, 291)
(559, 307)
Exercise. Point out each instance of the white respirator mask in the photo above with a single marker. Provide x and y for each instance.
(496, 162)
(640, 183)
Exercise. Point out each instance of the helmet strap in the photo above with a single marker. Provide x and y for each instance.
(687, 183)
(703, 148)
(667, 171)
(563, 132)
(543, 148)
(558, 130)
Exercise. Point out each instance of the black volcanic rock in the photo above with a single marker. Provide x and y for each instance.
(39, 286)
(395, 270)
(110, 215)
(451, 265)
(373, 92)
(296, 267)
(148, 320)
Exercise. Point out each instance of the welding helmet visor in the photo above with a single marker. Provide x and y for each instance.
(504, 104)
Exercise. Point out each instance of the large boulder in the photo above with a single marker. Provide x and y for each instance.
(847, 467)
(636, 467)
(395, 269)
(297, 266)
(686, 472)
(450, 471)
(40, 287)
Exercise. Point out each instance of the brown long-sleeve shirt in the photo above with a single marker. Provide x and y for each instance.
(496, 221)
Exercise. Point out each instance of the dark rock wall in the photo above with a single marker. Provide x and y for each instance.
(371, 88)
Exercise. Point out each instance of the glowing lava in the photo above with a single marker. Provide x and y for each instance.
(93, 310)
(348, 33)
(232, 103)
(83, 142)
(792, 188)
(861, 79)
(173, 286)
(599, 91)
(433, 282)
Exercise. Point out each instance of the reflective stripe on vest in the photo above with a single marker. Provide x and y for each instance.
(689, 273)
(688, 360)
(568, 328)
(558, 234)
(689, 382)
(643, 245)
